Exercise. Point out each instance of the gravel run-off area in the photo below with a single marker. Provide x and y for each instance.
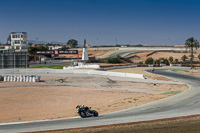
(51, 99)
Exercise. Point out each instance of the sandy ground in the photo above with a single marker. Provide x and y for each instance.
(51, 99)
(174, 55)
(142, 56)
(110, 52)
(141, 70)
(138, 57)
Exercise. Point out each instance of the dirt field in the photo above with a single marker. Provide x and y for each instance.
(51, 99)
(174, 55)
(138, 57)
(140, 70)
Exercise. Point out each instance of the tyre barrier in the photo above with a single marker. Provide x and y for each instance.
(20, 78)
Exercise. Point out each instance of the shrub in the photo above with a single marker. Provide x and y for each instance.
(140, 63)
(183, 58)
(171, 59)
(149, 60)
(199, 56)
(176, 61)
(163, 60)
(114, 60)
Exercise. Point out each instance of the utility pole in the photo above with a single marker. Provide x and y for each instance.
(116, 40)
(37, 38)
(97, 41)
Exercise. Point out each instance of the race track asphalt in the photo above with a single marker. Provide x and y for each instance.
(183, 104)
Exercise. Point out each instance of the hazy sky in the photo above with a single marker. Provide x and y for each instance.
(161, 22)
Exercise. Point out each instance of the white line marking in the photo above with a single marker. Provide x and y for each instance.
(13, 123)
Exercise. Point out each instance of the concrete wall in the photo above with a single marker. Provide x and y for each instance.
(60, 71)
(82, 66)
(14, 60)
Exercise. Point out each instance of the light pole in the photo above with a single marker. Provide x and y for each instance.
(97, 42)
(37, 38)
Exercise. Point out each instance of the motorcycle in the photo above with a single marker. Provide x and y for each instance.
(87, 112)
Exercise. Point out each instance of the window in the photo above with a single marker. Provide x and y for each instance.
(17, 36)
(17, 47)
(17, 41)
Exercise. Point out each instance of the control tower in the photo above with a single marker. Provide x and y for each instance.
(85, 54)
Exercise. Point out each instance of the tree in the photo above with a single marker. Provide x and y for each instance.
(42, 48)
(32, 50)
(171, 59)
(164, 60)
(199, 56)
(72, 42)
(176, 61)
(64, 48)
(117, 45)
(149, 60)
(191, 43)
(183, 58)
(140, 63)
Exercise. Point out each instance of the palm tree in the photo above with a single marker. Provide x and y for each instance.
(191, 43)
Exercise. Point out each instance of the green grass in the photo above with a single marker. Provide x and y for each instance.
(49, 66)
(176, 70)
(172, 92)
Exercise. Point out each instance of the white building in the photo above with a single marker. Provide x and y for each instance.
(18, 41)
(54, 47)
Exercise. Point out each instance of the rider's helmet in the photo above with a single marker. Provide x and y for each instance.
(77, 106)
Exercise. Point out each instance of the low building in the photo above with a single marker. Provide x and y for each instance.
(54, 46)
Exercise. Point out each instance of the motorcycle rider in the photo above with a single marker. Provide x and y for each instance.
(82, 107)
(79, 107)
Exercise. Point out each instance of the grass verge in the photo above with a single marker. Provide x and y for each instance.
(176, 70)
(49, 66)
(172, 92)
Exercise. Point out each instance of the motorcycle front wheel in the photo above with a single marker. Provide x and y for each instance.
(95, 113)
(82, 114)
